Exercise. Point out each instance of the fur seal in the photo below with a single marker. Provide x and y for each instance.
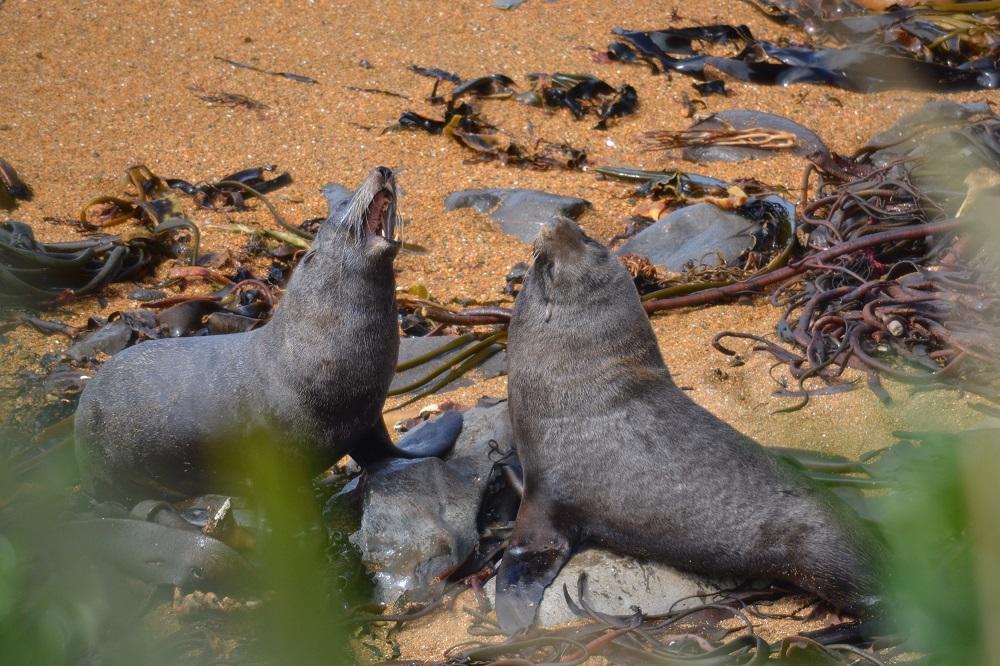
(616, 455)
(163, 417)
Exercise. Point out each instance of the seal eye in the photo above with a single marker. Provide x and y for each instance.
(197, 573)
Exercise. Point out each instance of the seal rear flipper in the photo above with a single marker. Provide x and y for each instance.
(537, 551)
(433, 439)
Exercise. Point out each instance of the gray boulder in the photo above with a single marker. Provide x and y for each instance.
(419, 516)
(699, 233)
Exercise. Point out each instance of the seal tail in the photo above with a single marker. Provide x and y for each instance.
(434, 439)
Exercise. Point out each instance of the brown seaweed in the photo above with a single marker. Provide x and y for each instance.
(12, 188)
(871, 62)
(44, 274)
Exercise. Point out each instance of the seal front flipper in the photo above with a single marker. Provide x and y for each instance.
(433, 439)
(537, 551)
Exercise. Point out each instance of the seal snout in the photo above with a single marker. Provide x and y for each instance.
(560, 234)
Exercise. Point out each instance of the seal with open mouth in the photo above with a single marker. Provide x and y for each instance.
(175, 415)
(616, 455)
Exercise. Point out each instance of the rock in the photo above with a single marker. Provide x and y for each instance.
(419, 516)
(616, 583)
(432, 435)
(935, 112)
(108, 339)
(807, 140)
(507, 4)
(693, 233)
(519, 212)
(411, 348)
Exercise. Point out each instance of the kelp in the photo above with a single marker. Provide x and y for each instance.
(230, 192)
(12, 188)
(873, 60)
(44, 274)
(462, 124)
(889, 283)
(756, 137)
(676, 188)
(39, 274)
(582, 95)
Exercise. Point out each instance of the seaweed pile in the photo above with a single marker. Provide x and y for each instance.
(36, 274)
(915, 298)
(581, 94)
(948, 50)
(47, 274)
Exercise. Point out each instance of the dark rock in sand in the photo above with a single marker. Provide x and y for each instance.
(108, 339)
(698, 233)
(807, 140)
(419, 516)
(411, 348)
(519, 212)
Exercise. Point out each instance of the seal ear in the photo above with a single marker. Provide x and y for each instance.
(537, 551)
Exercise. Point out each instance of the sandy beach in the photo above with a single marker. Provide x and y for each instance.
(91, 88)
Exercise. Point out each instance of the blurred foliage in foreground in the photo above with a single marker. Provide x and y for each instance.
(57, 606)
(944, 530)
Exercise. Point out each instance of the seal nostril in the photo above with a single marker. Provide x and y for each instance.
(385, 172)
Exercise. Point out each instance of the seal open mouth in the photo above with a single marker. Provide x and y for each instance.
(379, 215)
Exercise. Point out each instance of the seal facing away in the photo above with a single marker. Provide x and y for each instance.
(616, 455)
(168, 416)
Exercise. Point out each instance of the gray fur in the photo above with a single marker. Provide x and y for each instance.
(174, 414)
(616, 455)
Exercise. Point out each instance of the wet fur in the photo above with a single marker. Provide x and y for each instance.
(175, 415)
(616, 455)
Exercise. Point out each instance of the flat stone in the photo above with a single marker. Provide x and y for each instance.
(935, 112)
(108, 339)
(693, 233)
(616, 583)
(419, 516)
(807, 140)
(519, 212)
